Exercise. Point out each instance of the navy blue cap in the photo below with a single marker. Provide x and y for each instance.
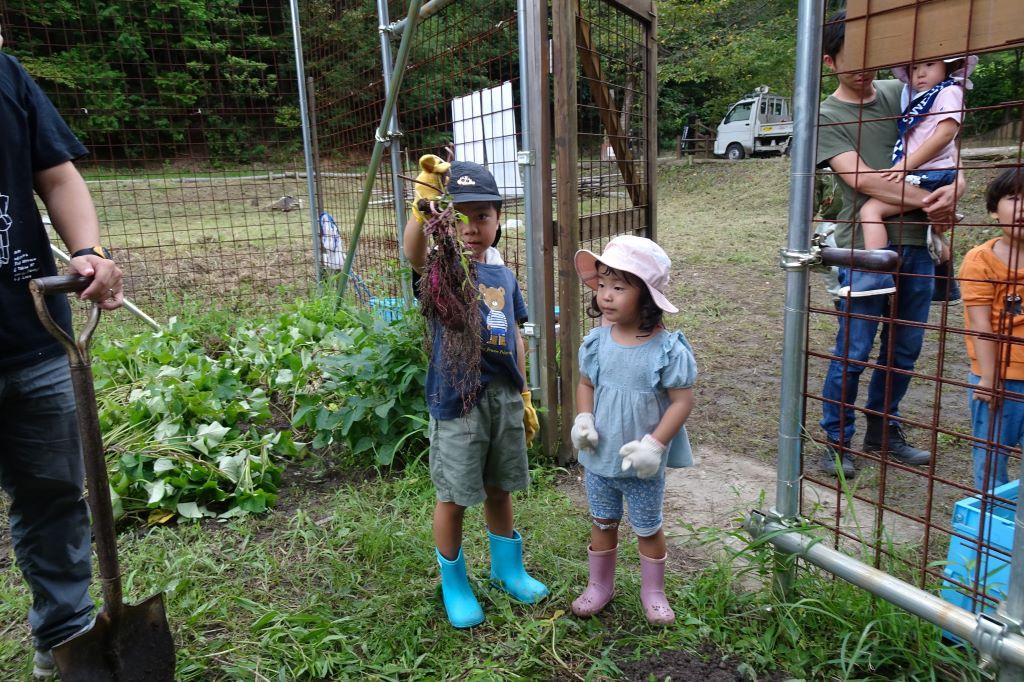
(468, 181)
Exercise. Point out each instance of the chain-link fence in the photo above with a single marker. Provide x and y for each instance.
(461, 88)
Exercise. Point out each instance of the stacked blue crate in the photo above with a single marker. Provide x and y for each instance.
(387, 309)
(963, 558)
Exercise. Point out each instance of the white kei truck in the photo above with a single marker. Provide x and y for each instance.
(759, 123)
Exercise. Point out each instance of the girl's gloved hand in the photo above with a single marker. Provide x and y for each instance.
(584, 433)
(642, 456)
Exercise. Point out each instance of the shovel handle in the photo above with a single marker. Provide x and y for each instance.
(60, 284)
(41, 287)
(881, 260)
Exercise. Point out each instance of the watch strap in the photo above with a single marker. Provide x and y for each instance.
(100, 251)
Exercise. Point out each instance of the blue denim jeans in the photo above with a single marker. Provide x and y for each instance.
(913, 299)
(1007, 432)
(41, 469)
(931, 180)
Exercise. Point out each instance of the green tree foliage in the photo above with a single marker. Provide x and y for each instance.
(999, 78)
(158, 79)
(712, 52)
(471, 45)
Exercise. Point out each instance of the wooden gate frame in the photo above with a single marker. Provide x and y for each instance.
(567, 33)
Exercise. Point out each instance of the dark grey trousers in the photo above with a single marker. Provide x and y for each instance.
(41, 469)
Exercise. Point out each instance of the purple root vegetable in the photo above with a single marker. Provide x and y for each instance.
(450, 302)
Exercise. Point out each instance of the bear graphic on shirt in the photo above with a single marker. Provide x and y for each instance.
(497, 323)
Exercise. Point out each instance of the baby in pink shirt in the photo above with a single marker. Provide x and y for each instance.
(926, 153)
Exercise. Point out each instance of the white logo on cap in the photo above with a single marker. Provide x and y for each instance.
(465, 181)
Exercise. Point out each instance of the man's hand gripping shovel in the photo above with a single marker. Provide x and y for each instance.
(125, 643)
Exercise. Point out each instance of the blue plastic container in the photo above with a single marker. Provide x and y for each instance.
(964, 557)
(388, 309)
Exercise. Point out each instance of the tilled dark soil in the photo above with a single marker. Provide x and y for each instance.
(706, 665)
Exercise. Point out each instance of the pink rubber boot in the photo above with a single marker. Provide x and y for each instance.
(601, 586)
(652, 591)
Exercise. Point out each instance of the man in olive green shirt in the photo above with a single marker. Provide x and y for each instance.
(856, 133)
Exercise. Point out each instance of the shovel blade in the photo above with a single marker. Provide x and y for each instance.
(133, 647)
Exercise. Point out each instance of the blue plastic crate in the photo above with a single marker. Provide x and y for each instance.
(963, 557)
(388, 309)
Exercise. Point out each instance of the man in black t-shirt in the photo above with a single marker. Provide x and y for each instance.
(40, 457)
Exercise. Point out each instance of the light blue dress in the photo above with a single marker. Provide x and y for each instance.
(631, 394)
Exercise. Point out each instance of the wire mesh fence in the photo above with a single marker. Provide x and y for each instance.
(190, 118)
(613, 122)
(460, 89)
(941, 517)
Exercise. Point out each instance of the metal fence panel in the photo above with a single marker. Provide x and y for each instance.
(606, 152)
(193, 129)
(932, 525)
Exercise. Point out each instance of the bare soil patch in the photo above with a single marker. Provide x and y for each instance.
(707, 665)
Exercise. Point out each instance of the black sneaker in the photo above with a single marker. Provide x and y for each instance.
(831, 467)
(899, 448)
(43, 667)
(946, 287)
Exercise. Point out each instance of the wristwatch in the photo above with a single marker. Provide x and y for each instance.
(100, 251)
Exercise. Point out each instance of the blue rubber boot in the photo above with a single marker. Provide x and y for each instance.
(461, 606)
(507, 572)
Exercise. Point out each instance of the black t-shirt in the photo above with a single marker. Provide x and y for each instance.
(35, 138)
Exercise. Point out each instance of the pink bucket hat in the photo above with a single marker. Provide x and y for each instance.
(636, 255)
(961, 74)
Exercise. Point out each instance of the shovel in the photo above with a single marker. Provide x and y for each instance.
(125, 643)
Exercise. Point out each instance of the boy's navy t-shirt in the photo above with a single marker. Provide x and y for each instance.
(35, 138)
(502, 309)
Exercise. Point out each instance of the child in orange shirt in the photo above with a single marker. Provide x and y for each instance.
(992, 281)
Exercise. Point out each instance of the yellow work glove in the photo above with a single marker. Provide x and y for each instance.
(429, 183)
(530, 421)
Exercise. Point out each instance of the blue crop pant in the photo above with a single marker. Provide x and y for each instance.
(913, 300)
(41, 469)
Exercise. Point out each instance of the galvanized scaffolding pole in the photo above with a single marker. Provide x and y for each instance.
(307, 143)
(801, 193)
(535, 166)
(993, 639)
(395, 84)
(393, 136)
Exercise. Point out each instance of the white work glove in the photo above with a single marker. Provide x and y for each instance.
(584, 433)
(642, 456)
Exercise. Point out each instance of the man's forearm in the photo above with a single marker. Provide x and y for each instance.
(901, 194)
(70, 206)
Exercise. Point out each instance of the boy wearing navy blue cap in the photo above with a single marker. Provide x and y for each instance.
(479, 455)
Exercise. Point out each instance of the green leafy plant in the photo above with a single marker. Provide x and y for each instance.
(370, 396)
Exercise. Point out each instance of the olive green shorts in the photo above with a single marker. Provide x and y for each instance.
(485, 447)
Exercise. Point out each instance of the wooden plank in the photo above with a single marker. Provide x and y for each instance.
(642, 9)
(651, 129)
(882, 33)
(610, 224)
(563, 57)
(590, 61)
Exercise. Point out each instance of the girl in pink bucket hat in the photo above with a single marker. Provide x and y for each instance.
(925, 155)
(634, 396)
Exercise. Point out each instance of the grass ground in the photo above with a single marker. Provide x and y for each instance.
(339, 581)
